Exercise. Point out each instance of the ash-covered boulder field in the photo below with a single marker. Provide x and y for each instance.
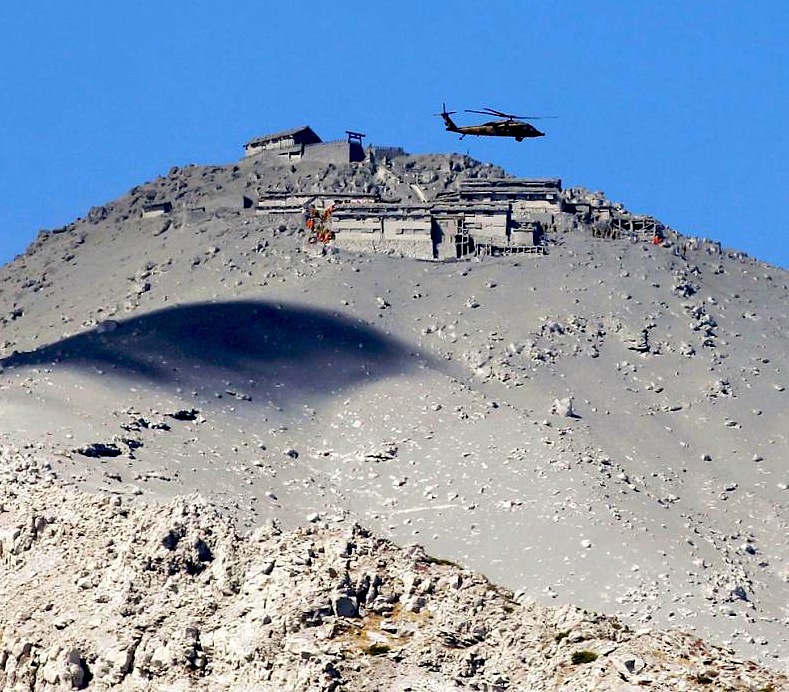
(232, 458)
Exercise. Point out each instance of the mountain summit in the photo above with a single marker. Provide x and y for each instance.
(594, 416)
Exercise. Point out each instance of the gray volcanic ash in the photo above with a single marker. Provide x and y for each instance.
(602, 423)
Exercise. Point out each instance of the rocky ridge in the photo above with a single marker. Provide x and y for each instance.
(165, 597)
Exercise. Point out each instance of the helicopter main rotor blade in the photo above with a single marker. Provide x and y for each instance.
(491, 111)
(499, 114)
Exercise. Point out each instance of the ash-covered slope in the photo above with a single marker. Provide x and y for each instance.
(213, 351)
(110, 594)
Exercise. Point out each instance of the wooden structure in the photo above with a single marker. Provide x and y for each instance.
(639, 227)
(154, 209)
(289, 143)
(624, 225)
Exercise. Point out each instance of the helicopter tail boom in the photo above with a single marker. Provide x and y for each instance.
(448, 122)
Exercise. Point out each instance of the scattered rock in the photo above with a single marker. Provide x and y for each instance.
(100, 449)
(563, 408)
(185, 414)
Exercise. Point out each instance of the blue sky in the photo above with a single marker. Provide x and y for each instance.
(677, 109)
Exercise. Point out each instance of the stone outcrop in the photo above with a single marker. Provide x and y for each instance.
(110, 593)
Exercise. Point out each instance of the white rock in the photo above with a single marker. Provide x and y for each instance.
(563, 407)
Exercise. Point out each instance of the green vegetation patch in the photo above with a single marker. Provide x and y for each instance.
(377, 649)
(583, 656)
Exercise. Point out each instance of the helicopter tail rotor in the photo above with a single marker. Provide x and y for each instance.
(448, 123)
(444, 111)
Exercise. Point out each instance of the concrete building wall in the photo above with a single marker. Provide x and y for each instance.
(338, 152)
(357, 228)
(407, 228)
(372, 228)
(488, 227)
(328, 152)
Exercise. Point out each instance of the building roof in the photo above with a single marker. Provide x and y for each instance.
(515, 183)
(282, 135)
(151, 206)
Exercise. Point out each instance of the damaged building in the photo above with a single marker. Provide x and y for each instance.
(482, 217)
(301, 143)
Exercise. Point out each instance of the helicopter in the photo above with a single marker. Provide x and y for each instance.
(511, 125)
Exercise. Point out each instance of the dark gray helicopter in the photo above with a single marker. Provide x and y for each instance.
(510, 125)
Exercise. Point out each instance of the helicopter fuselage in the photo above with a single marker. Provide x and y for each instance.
(500, 128)
(516, 129)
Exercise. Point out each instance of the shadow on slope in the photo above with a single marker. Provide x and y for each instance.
(284, 349)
